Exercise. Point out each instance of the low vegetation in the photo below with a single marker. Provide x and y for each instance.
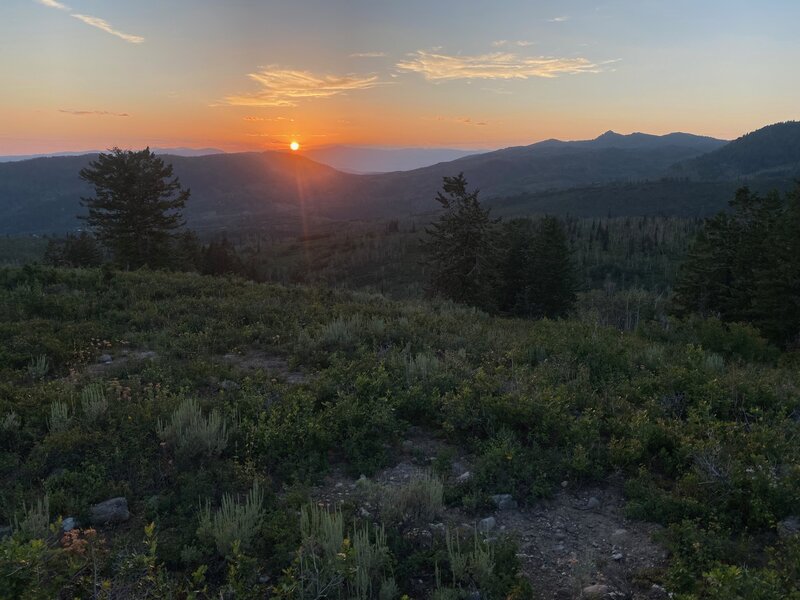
(699, 416)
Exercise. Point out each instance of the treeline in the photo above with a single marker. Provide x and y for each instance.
(519, 267)
(745, 266)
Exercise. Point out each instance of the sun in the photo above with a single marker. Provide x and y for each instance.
(294, 146)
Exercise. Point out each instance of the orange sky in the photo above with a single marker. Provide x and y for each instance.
(241, 75)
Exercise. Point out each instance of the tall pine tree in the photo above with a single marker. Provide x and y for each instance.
(460, 248)
(136, 210)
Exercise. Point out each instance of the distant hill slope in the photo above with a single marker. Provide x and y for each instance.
(772, 151)
(43, 195)
(365, 159)
(281, 191)
(180, 151)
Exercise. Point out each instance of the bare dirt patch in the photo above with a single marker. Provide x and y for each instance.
(578, 538)
(254, 360)
(109, 361)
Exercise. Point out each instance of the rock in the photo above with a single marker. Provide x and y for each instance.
(617, 555)
(364, 513)
(619, 536)
(789, 527)
(564, 484)
(114, 510)
(464, 477)
(504, 502)
(146, 355)
(560, 536)
(598, 590)
(229, 386)
(105, 359)
(69, 524)
(658, 593)
(487, 524)
(592, 504)
(5, 531)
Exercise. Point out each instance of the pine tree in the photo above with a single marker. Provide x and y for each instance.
(538, 275)
(136, 210)
(73, 251)
(460, 247)
(745, 266)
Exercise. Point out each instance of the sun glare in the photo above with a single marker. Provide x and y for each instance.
(294, 146)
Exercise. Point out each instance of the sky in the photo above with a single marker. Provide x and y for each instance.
(258, 74)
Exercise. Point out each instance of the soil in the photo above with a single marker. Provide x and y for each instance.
(578, 538)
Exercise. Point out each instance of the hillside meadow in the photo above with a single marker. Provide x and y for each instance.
(217, 407)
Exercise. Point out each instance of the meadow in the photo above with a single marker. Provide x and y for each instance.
(218, 408)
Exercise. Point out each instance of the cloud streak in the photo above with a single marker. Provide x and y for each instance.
(97, 22)
(494, 65)
(95, 113)
(53, 4)
(287, 87)
(368, 55)
(504, 43)
(104, 25)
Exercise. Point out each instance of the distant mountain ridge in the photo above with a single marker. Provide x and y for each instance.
(179, 151)
(278, 190)
(369, 159)
(772, 151)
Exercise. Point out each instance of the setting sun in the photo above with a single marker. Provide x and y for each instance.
(294, 146)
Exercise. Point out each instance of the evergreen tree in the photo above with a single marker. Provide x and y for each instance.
(220, 258)
(538, 275)
(135, 212)
(73, 251)
(460, 247)
(745, 266)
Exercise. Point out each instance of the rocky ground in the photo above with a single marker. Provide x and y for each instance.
(577, 544)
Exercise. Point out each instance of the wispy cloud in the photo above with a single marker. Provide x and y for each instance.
(504, 43)
(106, 26)
(267, 119)
(558, 19)
(499, 90)
(495, 65)
(93, 21)
(461, 120)
(286, 87)
(96, 113)
(368, 55)
(53, 4)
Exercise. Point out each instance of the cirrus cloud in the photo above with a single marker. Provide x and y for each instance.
(494, 65)
(97, 22)
(368, 54)
(53, 4)
(287, 87)
(104, 25)
(95, 113)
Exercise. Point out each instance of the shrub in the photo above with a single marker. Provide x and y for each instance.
(192, 434)
(330, 565)
(93, 401)
(419, 500)
(35, 522)
(234, 521)
(38, 367)
(59, 417)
